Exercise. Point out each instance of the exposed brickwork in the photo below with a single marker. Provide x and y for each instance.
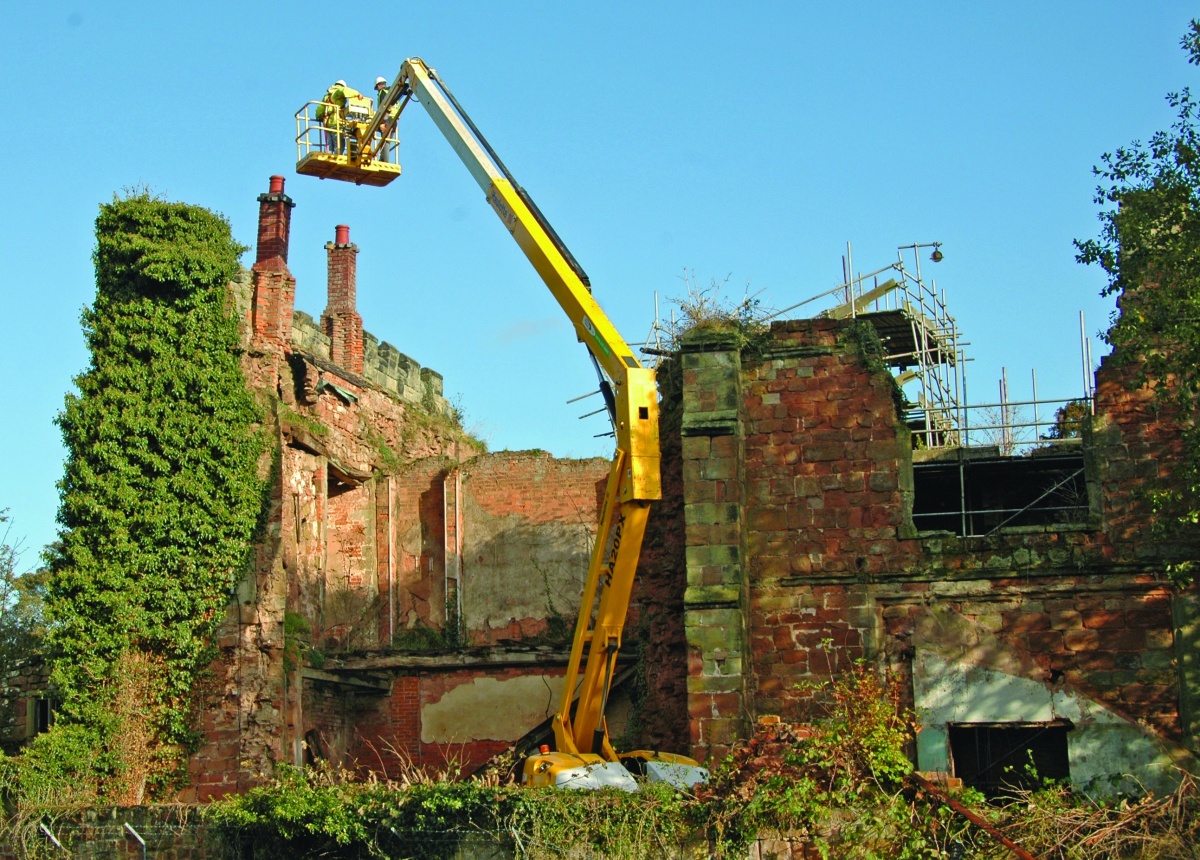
(798, 488)
(331, 559)
(385, 559)
(341, 322)
(274, 287)
(537, 487)
(387, 730)
(529, 522)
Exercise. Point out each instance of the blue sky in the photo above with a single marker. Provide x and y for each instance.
(660, 138)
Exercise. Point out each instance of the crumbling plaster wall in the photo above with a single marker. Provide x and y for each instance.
(529, 524)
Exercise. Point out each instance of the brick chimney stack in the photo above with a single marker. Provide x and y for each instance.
(341, 321)
(274, 287)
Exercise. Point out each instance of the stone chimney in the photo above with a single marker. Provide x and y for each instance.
(274, 287)
(341, 321)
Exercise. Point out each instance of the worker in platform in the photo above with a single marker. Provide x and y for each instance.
(387, 149)
(331, 113)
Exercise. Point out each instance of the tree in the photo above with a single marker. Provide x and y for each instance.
(1149, 246)
(161, 495)
(21, 626)
(1069, 420)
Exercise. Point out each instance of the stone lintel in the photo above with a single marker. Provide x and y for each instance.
(781, 350)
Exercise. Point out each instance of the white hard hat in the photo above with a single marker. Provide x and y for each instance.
(339, 83)
(379, 81)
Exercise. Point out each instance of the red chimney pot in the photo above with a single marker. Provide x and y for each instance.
(276, 185)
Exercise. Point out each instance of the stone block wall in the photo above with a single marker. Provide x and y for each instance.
(383, 365)
(714, 515)
(23, 685)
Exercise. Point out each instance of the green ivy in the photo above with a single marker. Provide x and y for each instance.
(161, 494)
(865, 338)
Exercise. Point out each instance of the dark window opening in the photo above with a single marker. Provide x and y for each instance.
(971, 493)
(1000, 759)
(39, 715)
(338, 482)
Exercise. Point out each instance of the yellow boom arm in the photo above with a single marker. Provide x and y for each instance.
(630, 393)
(634, 477)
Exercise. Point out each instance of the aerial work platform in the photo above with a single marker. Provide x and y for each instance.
(329, 165)
(339, 153)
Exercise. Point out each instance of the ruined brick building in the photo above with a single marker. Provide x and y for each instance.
(414, 596)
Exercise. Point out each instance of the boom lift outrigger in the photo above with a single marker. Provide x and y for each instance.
(583, 755)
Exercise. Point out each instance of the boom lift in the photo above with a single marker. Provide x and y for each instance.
(584, 756)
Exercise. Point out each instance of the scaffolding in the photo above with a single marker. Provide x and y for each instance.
(920, 339)
(923, 348)
(976, 468)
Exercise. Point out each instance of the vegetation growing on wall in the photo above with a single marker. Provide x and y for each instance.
(1149, 247)
(704, 311)
(160, 496)
(836, 787)
(865, 338)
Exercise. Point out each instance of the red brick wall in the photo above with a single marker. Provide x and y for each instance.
(529, 521)
(834, 571)
(420, 548)
(274, 287)
(537, 486)
(386, 731)
(341, 321)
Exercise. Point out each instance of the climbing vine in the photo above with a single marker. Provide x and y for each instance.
(161, 495)
(865, 339)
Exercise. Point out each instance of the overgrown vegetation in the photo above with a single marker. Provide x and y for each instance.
(422, 816)
(159, 503)
(1149, 247)
(707, 311)
(837, 783)
(837, 786)
(1070, 421)
(22, 597)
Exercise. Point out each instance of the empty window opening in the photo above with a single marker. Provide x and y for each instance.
(39, 715)
(970, 493)
(339, 482)
(1000, 759)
